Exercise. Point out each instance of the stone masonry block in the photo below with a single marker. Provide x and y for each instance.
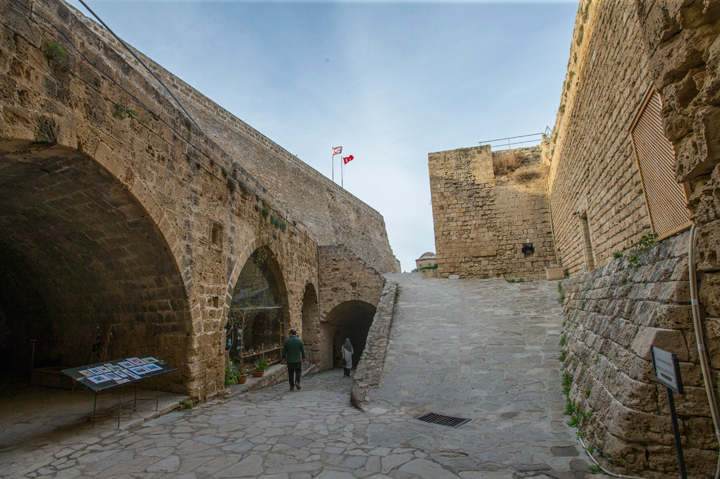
(624, 453)
(710, 293)
(712, 340)
(670, 316)
(670, 340)
(632, 425)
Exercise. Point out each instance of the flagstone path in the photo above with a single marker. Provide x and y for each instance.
(485, 350)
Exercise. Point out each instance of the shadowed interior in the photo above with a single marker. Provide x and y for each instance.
(82, 260)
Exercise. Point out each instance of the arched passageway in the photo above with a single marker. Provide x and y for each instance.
(256, 319)
(311, 323)
(352, 320)
(85, 273)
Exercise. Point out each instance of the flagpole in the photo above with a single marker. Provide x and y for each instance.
(342, 167)
(332, 162)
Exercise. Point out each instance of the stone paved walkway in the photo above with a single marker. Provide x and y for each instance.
(485, 350)
(479, 349)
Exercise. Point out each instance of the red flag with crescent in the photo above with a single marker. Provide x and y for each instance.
(348, 159)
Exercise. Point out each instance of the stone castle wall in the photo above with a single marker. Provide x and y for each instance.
(593, 166)
(134, 223)
(482, 219)
(615, 313)
(332, 214)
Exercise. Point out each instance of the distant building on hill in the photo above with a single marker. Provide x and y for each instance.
(427, 259)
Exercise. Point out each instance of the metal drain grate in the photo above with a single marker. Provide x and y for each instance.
(449, 421)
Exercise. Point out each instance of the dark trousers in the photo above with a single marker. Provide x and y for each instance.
(294, 373)
(347, 371)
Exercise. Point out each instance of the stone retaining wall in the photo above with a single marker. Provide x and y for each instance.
(372, 362)
(613, 315)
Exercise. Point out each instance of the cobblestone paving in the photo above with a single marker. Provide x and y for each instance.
(479, 349)
(269, 434)
(485, 350)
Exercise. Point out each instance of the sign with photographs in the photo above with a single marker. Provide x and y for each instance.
(119, 372)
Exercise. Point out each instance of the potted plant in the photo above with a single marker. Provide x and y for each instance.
(242, 374)
(261, 365)
(230, 372)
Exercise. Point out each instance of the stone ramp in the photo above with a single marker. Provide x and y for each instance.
(484, 350)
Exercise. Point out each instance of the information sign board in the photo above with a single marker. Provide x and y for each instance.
(120, 372)
(667, 369)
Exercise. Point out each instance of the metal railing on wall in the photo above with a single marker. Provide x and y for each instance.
(506, 143)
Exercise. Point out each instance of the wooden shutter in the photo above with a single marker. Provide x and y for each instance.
(666, 199)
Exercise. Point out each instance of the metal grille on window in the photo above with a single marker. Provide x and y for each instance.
(665, 198)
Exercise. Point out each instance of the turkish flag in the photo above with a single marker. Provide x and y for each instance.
(348, 159)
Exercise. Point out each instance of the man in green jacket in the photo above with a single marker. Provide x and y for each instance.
(294, 353)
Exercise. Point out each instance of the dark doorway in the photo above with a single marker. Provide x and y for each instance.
(351, 320)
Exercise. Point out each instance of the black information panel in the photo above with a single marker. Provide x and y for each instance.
(121, 372)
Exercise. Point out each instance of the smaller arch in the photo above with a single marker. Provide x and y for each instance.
(352, 320)
(310, 332)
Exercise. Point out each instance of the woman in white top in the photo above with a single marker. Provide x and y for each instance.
(347, 352)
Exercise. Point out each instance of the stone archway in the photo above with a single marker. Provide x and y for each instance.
(310, 333)
(351, 319)
(81, 259)
(258, 309)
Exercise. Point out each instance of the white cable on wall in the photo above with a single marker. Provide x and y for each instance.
(700, 340)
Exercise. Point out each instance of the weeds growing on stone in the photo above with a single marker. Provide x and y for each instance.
(645, 243)
(186, 404)
(563, 340)
(428, 267)
(596, 469)
(56, 52)
(122, 111)
(231, 183)
(563, 355)
(507, 163)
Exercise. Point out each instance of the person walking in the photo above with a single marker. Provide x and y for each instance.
(347, 352)
(294, 354)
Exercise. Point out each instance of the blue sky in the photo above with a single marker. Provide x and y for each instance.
(390, 82)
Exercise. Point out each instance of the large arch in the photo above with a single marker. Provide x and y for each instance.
(352, 320)
(81, 258)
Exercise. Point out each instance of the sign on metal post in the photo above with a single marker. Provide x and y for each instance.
(667, 372)
(667, 369)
